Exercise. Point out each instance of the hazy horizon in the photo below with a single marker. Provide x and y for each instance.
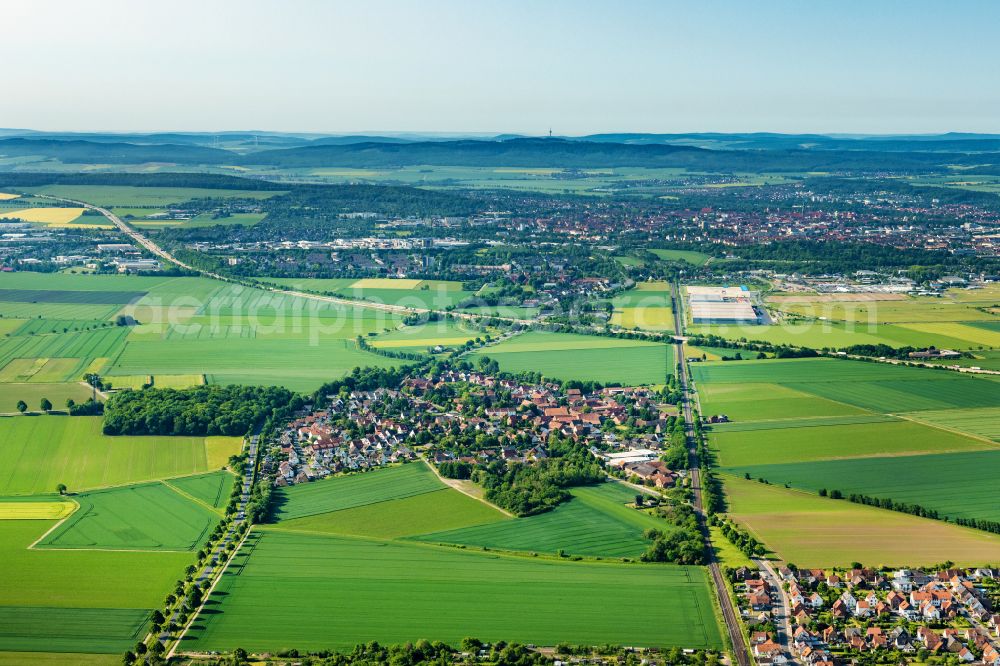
(445, 66)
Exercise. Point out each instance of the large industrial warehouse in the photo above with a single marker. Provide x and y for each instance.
(721, 305)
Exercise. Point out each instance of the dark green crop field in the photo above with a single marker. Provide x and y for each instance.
(318, 592)
(595, 522)
(956, 484)
(346, 492)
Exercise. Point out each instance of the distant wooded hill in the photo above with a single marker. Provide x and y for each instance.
(767, 153)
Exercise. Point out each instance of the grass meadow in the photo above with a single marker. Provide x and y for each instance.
(351, 586)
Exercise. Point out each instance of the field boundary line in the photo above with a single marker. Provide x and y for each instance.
(460, 489)
(53, 528)
(361, 506)
(954, 431)
(192, 497)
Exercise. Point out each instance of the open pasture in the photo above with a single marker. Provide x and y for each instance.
(813, 531)
(565, 356)
(595, 523)
(150, 516)
(354, 490)
(831, 442)
(434, 511)
(41, 452)
(955, 484)
(350, 586)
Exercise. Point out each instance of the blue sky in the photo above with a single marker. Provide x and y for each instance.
(501, 66)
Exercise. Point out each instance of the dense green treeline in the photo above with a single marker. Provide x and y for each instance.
(202, 410)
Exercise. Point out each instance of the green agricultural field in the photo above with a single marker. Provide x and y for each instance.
(955, 484)
(982, 422)
(44, 451)
(941, 390)
(428, 294)
(813, 531)
(596, 522)
(64, 601)
(350, 586)
(688, 256)
(73, 353)
(510, 311)
(955, 306)
(751, 402)
(804, 422)
(427, 335)
(150, 516)
(73, 629)
(873, 386)
(212, 489)
(355, 490)
(567, 356)
(295, 363)
(60, 658)
(828, 442)
(33, 393)
(21, 310)
(647, 307)
(128, 196)
(832, 334)
(433, 511)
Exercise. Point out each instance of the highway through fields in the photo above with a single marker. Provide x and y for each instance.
(149, 245)
(733, 626)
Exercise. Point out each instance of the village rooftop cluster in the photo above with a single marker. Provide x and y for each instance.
(361, 430)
